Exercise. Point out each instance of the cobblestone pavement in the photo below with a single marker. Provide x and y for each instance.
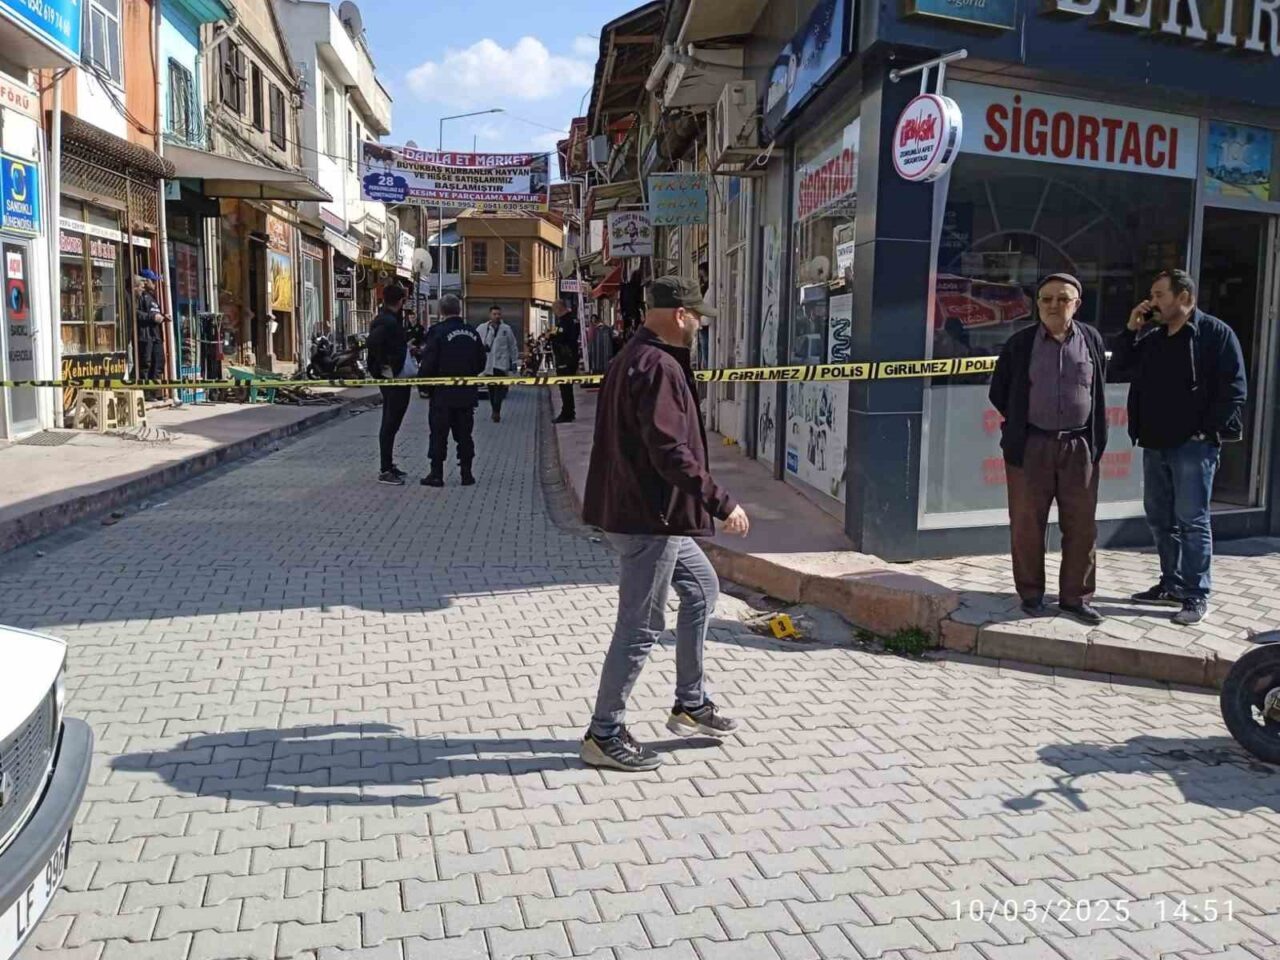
(336, 719)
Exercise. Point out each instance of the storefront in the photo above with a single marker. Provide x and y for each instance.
(1104, 156)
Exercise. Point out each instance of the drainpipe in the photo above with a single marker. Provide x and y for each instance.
(55, 233)
(167, 296)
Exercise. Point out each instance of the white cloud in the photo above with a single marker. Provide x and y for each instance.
(486, 72)
(586, 47)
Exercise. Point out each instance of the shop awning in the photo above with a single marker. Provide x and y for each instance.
(608, 287)
(242, 179)
(606, 197)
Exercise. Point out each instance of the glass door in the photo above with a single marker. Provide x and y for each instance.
(19, 410)
(1238, 285)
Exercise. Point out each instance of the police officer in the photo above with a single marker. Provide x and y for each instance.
(452, 349)
(566, 350)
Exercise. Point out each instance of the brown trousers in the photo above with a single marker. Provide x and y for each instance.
(1061, 470)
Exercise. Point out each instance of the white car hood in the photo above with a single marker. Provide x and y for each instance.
(29, 664)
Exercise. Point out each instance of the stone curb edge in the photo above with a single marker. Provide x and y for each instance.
(885, 601)
(21, 530)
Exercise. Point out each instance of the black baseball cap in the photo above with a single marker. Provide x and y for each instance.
(670, 292)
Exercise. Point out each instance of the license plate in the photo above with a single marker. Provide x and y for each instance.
(17, 922)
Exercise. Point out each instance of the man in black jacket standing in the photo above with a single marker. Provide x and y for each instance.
(150, 328)
(650, 489)
(566, 350)
(387, 349)
(453, 349)
(1186, 396)
(1048, 386)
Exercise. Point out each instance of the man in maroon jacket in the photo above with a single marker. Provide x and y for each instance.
(650, 490)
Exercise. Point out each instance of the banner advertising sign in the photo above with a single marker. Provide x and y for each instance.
(77, 366)
(927, 138)
(20, 186)
(1238, 162)
(489, 181)
(280, 267)
(1080, 133)
(678, 199)
(56, 23)
(630, 235)
(344, 285)
(806, 62)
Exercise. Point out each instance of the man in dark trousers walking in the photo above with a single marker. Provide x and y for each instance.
(453, 349)
(1048, 385)
(150, 328)
(1186, 396)
(387, 351)
(650, 489)
(567, 351)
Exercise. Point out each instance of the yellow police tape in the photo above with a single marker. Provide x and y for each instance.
(822, 372)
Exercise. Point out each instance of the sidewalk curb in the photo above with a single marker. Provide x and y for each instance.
(886, 601)
(21, 530)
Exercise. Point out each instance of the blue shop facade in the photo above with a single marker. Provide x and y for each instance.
(1108, 138)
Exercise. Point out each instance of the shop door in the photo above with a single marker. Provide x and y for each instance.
(1238, 280)
(729, 341)
(19, 411)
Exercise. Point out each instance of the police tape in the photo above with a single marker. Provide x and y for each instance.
(813, 373)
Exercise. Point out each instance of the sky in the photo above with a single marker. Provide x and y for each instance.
(535, 59)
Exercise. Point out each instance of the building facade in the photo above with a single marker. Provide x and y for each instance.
(1111, 153)
(511, 260)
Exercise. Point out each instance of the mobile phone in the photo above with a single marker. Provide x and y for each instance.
(1152, 315)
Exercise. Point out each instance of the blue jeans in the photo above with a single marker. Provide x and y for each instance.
(1178, 485)
(650, 566)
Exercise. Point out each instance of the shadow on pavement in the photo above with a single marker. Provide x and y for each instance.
(369, 764)
(1212, 771)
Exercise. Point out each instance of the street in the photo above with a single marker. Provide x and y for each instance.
(338, 719)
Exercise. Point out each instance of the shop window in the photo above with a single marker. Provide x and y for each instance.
(277, 116)
(103, 49)
(90, 291)
(232, 76)
(511, 258)
(182, 102)
(479, 256)
(330, 121)
(1008, 222)
(255, 97)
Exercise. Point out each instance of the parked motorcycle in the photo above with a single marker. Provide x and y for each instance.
(347, 364)
(1250, 698)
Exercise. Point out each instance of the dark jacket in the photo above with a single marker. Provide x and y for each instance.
(149, 317)
(453, 349)
(1011, 391)
(649, 472)
(1217, 371)
(565, 345)
(386, 344)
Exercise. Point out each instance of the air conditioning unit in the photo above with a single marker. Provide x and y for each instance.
(737, 117)
(598, 149)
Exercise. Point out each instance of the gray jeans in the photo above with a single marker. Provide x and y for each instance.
(651, 565)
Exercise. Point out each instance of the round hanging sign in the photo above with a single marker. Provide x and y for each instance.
(927, 138)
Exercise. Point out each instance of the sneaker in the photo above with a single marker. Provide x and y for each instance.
(1193, 611)
(391, 478)
(432, 480)
(1082, 612)
(1157, 595)
(398, 472)
(563, 419)
(705, 720)
(618, 753)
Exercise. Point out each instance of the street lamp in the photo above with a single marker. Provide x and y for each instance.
(440, 234)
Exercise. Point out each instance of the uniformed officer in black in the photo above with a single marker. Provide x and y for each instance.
(453, 349)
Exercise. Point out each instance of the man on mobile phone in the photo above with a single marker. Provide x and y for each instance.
(1186, 398)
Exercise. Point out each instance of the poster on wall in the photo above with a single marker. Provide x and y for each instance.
(344, 285)
(630, 235)
(77, 366)
(280, 270)
(1238, 162)
(817, 424)
(20, 189)
(490, 181)
(770, 300)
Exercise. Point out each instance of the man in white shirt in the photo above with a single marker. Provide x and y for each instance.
(504, 356)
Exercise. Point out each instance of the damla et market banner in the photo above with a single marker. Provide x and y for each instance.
(489, 181)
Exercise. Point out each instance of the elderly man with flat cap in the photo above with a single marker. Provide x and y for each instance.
(1048, 385)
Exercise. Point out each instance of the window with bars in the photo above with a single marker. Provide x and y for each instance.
(511, 258)
(479, 256)
(278, 115)
(103, 48)
(232, 80)
(255, 97)
(182, 120)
